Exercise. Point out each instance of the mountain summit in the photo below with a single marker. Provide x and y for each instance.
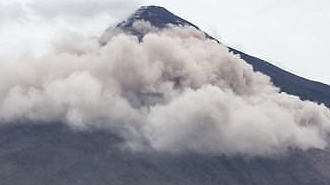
(158, 16)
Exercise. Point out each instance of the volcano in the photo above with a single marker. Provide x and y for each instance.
(53, 154)
(286, 81)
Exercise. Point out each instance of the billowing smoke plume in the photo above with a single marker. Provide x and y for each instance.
(174, 91)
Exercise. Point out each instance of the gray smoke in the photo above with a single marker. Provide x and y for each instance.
(176, 91)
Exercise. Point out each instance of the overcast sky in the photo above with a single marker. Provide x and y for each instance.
(292, 34)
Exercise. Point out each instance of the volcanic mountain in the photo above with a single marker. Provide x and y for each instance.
(51, 153)
(286, 81)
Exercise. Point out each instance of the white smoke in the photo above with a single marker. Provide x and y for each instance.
(176, 91)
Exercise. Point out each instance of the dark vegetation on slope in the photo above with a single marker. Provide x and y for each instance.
(54, 155)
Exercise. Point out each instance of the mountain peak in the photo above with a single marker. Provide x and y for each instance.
(158, 16)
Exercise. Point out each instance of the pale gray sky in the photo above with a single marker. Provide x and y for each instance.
(292, 34)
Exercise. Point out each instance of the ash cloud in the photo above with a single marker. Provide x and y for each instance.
(175, 91)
